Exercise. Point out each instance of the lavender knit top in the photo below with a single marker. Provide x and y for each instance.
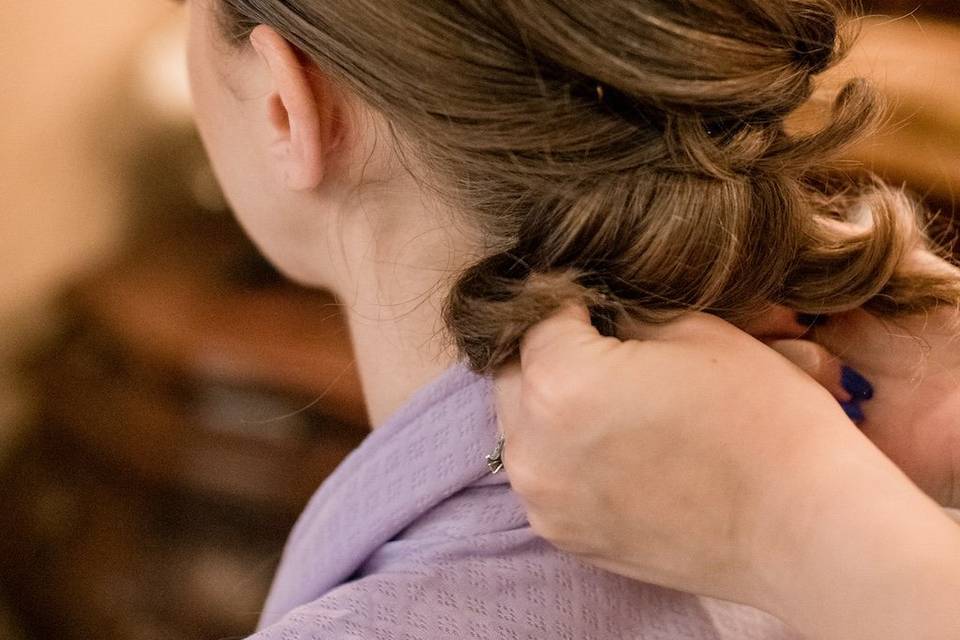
(412, 538)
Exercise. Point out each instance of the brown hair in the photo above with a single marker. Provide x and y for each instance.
(631, 154)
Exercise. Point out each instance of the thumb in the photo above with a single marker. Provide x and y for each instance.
(507, 387)
(549, 350)
(816, 362)
(568, 327)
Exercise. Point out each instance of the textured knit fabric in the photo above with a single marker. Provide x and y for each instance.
(412, 538)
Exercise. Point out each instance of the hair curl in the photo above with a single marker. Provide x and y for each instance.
(629, 154)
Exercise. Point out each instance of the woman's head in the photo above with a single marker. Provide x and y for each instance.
(633, 150)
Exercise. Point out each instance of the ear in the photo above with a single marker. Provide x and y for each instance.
(299, 112)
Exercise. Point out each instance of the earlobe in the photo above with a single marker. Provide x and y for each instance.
(300, 127)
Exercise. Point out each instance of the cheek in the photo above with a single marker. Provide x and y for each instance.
(226, 132)
(228, 126)
(214, 108)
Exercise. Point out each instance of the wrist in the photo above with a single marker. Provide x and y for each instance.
(895, 576)
(862, 553)
(823, 477)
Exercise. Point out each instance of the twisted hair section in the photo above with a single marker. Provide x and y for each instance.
(630, 155)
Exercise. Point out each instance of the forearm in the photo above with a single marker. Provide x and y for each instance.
(907, 588)
(881, 562)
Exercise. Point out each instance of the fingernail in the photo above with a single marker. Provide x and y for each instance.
(811, 319)
(853, 411)
(858, 386)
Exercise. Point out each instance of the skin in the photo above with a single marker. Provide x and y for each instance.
(310, 174)
(739, 487)
(914, 365)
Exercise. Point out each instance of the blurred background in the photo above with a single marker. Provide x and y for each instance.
(167, 402)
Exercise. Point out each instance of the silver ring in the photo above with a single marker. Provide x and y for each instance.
(495, 458)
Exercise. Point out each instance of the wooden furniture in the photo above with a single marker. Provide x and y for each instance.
(916, 64)
(191, 408)
(946, 9)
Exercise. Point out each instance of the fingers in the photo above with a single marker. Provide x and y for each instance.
(816, 362)
(556, 356)
(778, 322)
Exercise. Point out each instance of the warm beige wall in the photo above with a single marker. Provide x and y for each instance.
(60, 62)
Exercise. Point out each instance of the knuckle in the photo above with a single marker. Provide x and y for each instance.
(698, 321)
(526, 481)
(813, 357)
(807, 354)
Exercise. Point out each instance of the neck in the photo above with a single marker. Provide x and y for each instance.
(399, 348)
(393, 291)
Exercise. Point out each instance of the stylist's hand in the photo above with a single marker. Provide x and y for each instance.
(697, 457)
(688, 441)
(913, 364)
(913, 367)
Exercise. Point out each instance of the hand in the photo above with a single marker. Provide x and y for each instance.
(914, 364)
(914, 367)
(678, 458)
(700, 459)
